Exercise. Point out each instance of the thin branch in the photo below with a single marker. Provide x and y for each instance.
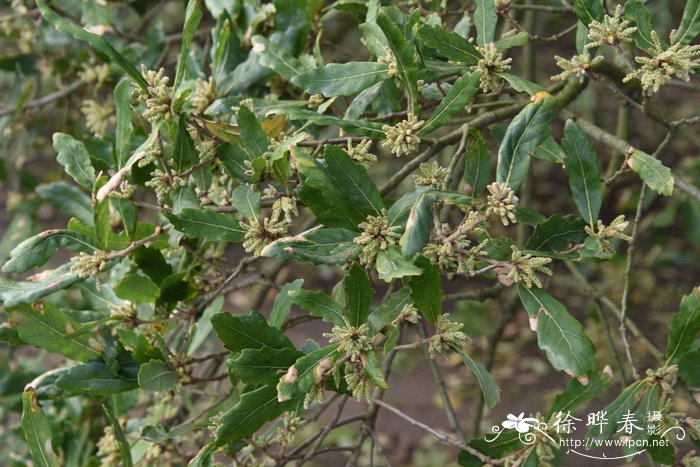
(452, 419)
(443, 438)
(47, 99)
(624, 302)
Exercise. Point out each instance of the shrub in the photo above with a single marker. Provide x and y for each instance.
(339, 158)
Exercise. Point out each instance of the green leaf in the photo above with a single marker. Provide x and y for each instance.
(689, 27)
(103, 48)
(253, 410)
(249, 331)
(200, 223)
(193, 15)
(342, 79)
(45, 326)
(124, 130)
(138, 289)
(353, 183)
(283, 303)
(74, 157)
(203, 326)
(37, 431)
(320, 305)
(521, 84)
(156, 376)
(514, 40)
(153, 264)
(276, 58)
(400, 210)
(449, 44)
(589, 10)
(127, 214)
(124, 448)
(351, 127)
(160, 434)
(254, 138)
(584, 171)
(92, 378)
(684, 327)
(527, 130)
(69, 199)
(37, 250)
(184, 151)
(389, 310)
(485, 19)
(100, 216)
(426, 290)
(13, 293)
(322, 246)
(263, 366)
(360, 103)
(392, 265)
(477, 166)
(626, 401)
(657, 176)
(491, 391)
(247, 201)
(689, 368)
(300, 381)
(373, 371)
(557, 233)
(405, 53)
(420, 218)
(456, 99)
(577, 394)
(357, 287)
(639, 17)
(559, 334)
(550, 151)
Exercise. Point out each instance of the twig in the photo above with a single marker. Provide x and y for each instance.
(507, 317)
(139, 243)
(452, 420)
(47, 99)
(591, 289)
(624, 305)
(611, 342)
(324, 433)
(443, 438)
(479, 295)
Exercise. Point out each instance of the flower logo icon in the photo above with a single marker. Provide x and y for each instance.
(519, 423)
